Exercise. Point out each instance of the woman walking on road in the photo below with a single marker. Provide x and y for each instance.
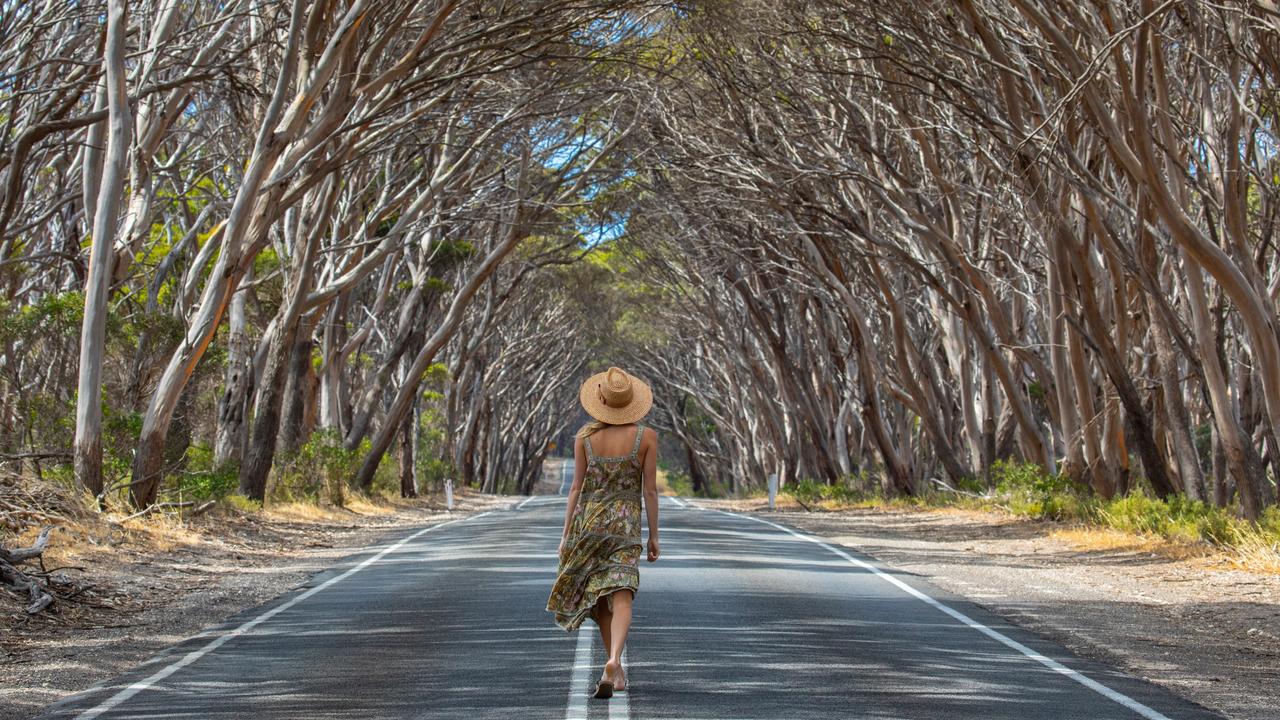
(615, 458)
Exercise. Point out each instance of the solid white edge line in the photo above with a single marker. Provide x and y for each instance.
(1050, 663)
(677, 501)
(580, 681)
(525, 501)
(131, 690)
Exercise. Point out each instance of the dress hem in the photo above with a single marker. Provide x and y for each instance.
(572, 622)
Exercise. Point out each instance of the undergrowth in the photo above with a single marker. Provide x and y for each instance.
(1025, 490)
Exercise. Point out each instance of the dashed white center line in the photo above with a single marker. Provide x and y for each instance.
(580, 685)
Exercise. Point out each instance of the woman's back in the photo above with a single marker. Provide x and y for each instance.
(613, 440)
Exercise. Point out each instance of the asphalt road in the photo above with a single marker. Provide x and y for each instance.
(738, 619)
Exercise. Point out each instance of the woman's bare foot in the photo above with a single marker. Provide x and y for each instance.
(613, 672)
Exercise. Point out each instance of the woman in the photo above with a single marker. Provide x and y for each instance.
(614, 457)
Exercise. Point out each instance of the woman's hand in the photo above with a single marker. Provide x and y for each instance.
(653, 548)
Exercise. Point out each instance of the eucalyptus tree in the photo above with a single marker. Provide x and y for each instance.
(1001, 217)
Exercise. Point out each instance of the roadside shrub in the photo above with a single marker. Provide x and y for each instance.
(320, 469)
(810, 492)
(432, 472)
(202, 480)
(1027, 489)
(1177, 518)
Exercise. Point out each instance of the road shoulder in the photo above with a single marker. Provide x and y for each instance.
(1209, 634)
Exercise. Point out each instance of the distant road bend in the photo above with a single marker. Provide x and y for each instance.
(741, 618)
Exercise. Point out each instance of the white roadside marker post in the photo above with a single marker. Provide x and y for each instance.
(773, 489)
(448, 493)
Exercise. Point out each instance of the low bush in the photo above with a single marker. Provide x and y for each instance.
(320, 469)
(202, 479)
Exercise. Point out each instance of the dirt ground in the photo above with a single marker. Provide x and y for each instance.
(157, 582)
(1193, 624)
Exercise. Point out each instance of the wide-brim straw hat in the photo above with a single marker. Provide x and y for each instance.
(615, 397)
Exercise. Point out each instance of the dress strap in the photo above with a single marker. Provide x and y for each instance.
(586, 441)
(636, 447)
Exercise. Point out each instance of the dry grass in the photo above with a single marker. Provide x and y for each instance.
(1103, 539)
(1257, 555)
(1251, 555)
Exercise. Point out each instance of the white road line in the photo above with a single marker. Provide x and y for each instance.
(194, 655)
(565, 477)
(620, 704)
(1050, 663)
(580, 684)
(677, 501)
(524, 502)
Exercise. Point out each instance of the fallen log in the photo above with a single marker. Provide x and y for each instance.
(20, 582)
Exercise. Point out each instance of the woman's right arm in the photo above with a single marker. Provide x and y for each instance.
(651, 490)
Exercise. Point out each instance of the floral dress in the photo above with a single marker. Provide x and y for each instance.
(604, 546)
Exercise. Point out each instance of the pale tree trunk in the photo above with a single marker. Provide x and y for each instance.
(230, 431)
(88, 440)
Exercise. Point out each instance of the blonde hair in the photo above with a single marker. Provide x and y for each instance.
(590, 428)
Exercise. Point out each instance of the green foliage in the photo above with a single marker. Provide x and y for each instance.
(320, 469)
(435, 285)
(49, 315)
(1029, 490)
(202, 479)
(242, 503)
(120, 431)
(1177, 518)
(448, 253)
(812, 493)
(435, 374)
(432, 468)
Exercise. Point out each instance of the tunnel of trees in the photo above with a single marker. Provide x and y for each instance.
(283, 247)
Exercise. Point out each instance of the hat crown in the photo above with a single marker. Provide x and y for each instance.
(615, 391)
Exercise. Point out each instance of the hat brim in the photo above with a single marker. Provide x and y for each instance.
(641, 401)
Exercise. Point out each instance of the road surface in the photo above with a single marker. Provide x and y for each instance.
(739, 619)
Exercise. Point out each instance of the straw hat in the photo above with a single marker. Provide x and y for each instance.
(615, 397)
